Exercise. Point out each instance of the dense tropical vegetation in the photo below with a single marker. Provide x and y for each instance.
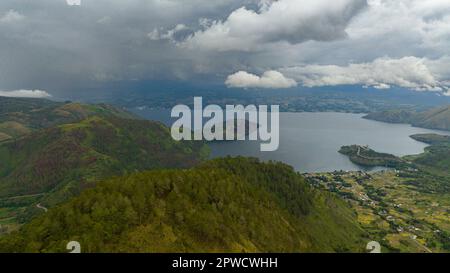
(115, 183)
(231, 205)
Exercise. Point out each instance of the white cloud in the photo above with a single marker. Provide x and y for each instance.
(25, 94)
(413, 27)
(269, 79)
(171, 34)
(11, 16)
(408, 72)
(292, 21)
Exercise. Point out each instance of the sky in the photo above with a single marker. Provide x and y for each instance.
(48, 47)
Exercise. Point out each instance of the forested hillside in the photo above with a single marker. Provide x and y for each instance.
(52, 151)
(116, 183)
(70, 157)
(236, 205)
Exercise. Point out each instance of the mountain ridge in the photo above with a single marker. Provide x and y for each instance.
(20, 116)
(211, 208)
(436, 118)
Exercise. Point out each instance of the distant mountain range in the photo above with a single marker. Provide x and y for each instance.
(436, 118)
(348, 98)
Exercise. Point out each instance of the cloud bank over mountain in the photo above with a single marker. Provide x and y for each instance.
(25, 94)
(408, 72)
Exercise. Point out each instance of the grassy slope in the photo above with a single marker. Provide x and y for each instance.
(432, 139)
(220, 206)
(434, 164)
(19, 116)
(52, 165)
(437, 118)
(69, 157)
(392, 116)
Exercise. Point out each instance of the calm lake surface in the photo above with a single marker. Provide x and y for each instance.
(310, 141)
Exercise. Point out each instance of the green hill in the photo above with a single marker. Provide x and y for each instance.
(432, 139)
(20, 116)
(25, 105)
(436, 157)
(437, 118)
(225, 205)
(59, 162)
(392, 116)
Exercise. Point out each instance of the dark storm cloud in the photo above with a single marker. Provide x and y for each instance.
(49, 45)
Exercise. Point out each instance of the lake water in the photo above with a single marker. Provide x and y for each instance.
(310, 141)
